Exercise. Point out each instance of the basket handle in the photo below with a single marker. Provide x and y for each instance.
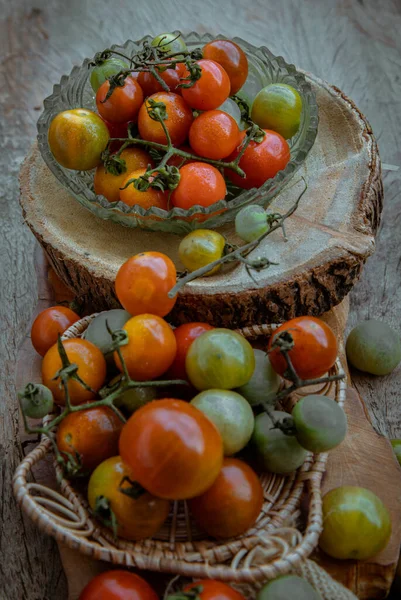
(45, 505)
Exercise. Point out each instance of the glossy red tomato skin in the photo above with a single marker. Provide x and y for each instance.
(143, 282)
(124, 103)
(214, 590)
(48, 324)
(232, 58)
(178, 122)
(210, 90)
(150, 85)
(173, 449)
(232, 504)
(118, 585)
(185, 335)
(315, 348)
(260, 161)
(214, 134)
(200, 184)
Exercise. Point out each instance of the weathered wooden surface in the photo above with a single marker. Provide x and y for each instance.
(330, 236)
(353, 44)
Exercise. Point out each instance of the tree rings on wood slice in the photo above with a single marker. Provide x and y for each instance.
(329, 237)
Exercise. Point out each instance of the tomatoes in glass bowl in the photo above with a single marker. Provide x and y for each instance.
(262, 67)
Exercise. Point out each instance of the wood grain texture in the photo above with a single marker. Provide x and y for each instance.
(353, 44)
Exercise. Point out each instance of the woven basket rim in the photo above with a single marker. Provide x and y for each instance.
(65, 516)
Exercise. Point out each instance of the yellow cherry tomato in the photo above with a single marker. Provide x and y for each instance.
(356, 524)
(77, 139)
(201, 247)
(108, 185)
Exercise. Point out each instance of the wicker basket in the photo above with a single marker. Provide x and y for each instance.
(272, 547)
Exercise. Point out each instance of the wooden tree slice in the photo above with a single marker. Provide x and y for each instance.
(329, 237)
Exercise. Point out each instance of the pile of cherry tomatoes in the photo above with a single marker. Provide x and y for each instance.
(198, 118)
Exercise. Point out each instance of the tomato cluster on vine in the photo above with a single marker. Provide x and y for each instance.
(178, 104)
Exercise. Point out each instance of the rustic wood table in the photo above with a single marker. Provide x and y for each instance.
(354, 44)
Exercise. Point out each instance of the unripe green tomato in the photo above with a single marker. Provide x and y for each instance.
(133, 398)
(320, 422)
(288, 587)
(169, 43)
(251, 222)
(231, 108)
(111, 66)
(200, 248)
(374, 347)
(396, 444)
(220, 358)
(97, 331)
(231, 414)
(36, 400)
(264, 383)
(278, 106)
(275, 451)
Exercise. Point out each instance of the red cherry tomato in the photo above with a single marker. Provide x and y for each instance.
(143, 282)
(232, 504)
(150, 85)
(210, 90)
(214, 134)
(315, 348)
(124, 103)
(185, 335)
(172, 448)
(200, 184)
(48, 324)
(178, 161)
(118, 585)
(178, 122)
(260, 161)
(232, 58)
(214, 590)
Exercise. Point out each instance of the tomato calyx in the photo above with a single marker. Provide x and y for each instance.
(105, 514)
(135, 490)
(192, 594)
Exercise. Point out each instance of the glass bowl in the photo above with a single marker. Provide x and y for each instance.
(75, 91)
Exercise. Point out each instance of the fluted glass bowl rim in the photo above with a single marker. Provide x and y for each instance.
(117, 211)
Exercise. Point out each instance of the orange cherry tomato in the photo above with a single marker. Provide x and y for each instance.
(214, 590)
(151, 347)
(118, 585)
(210, 90)
(315, 348)
(232, 504)
(91, 369)
(178, 122)
(232, 58)
(260, 161)
(173, 449)
(137, 518)
(90, 434)
(123, 104)
(48, 324)
(143, 282)
(151, 197)
(108, 185)
(214, 134)
(185, 335)
(200, 184)
(181, 69)
(150, 85)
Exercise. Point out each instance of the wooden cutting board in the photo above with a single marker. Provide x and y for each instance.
(364, 459)
(329, 237)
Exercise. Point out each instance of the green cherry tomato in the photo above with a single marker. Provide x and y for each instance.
(231, 414)
(169, 43)
(251, 222)
(133, 398)
(220, 358)
(36, 400)
(320, 422)
(264, 383)
(111, 66)
(374, 347)
(275, 451)
(396, 444)
(286, 587)
(356, 524)
(97, 331)
(201, 247)
(278, 106)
